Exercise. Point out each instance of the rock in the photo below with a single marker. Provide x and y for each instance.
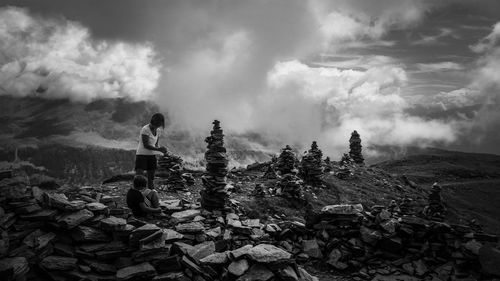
(267, 253)
(391, 245)
(72, 220)
(420, 268)
(237, 253)
(144, 270)
(288, 274)
(215, 259)
(171, 235)
(113, 224)
(171, 276)
(89, 234)
(257, 272)
(43, 215)
(185, 215)
(343, 209)
(334, 259)
(61, 202)
(370, 236)
(142, 232)
(473, 246)
(489, 258)
(191, 227)
(103, 268)
(238, 267)
(311, 248)
(202, 250)
(16, 267)
(58, 263)
(389, 226)
(305, 276)
(96, 207)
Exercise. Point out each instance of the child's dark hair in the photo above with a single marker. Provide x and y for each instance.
(158, 120)
(140, 181)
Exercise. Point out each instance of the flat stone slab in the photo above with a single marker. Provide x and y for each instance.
(59, 263)
(342, 209)
(61, 202)
(257, 272)
(143, 270)
(96, 207)
(215, 259)
(113, 224)
(185, 215)
(267, 253)
(72, 220)
(89, 234)
(171, 235)
(192, 227)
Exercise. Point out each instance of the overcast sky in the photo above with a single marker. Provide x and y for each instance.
(400, 72)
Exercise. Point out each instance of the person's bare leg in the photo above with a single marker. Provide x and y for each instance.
(151, 178)
(155, 199)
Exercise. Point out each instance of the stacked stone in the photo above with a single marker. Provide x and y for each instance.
(286, 161)
(259, 190)
(311, 168)
(346, 160)
(327, 165)
(215, 196)
(188, 177)
(175, 180)
(167, 162)
(435, 209)
(355, 148)
(359, 242)
(290, 186)
(406, 206)
(270, 173)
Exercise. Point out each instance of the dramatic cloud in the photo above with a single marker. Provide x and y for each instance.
(56, 58)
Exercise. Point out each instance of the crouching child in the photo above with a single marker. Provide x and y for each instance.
(141, 200)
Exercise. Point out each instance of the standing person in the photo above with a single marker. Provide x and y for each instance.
(145, 158)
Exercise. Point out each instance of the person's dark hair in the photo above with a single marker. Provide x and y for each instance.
(140, 182)
(158, 120)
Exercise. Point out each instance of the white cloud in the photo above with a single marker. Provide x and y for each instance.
(434, 39)
(59, 59)
(489, 42)
(439, 66)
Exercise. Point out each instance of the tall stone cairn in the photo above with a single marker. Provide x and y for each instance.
(286, 161)
(215, 196)
(355, 148)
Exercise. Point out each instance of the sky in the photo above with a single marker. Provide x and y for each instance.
(400, 72)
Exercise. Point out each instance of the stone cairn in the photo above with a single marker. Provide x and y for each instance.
(311, 168)
(327, 165)
(435, 209)
(355, 148)
(270, 173)
(215, 196)
(344, 170)
(167, 162)
(286, 161)
(259, 190)
(175, 180)
(290, 186)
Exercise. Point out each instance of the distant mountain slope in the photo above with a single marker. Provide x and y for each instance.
(442, 165)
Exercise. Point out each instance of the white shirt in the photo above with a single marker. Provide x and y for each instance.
(141, 150)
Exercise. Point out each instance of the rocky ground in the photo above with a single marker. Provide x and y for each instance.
(341, 230)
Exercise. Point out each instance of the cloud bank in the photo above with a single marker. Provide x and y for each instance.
(57, 58)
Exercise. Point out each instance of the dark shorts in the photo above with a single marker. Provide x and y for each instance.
(145, 162)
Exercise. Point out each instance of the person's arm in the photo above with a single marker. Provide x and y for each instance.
(147, 209)
(147, 145)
